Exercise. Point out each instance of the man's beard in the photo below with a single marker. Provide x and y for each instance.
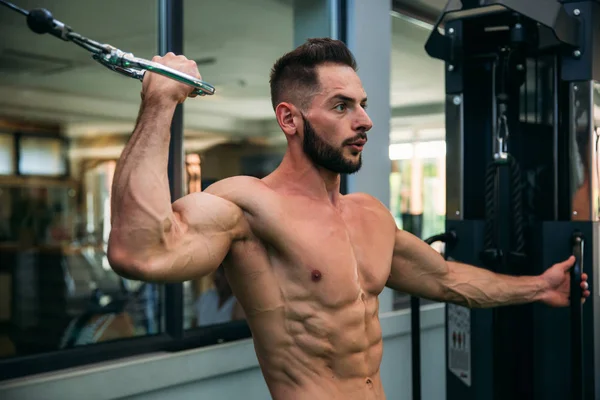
(326, 156)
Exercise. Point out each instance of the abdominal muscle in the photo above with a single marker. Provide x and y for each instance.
(309, 351)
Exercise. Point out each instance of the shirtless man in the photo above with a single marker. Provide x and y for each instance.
(306, 263)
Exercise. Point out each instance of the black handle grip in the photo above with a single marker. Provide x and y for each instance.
(577, 243)
(40, 20)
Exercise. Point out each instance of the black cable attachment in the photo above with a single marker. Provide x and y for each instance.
(492, 255)
(449, 238)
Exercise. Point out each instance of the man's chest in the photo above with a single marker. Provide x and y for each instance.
(334, 254)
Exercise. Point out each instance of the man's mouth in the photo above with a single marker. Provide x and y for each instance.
(358, 144)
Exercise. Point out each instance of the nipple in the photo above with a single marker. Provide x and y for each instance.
(316, 275)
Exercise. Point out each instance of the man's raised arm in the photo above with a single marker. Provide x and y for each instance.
(152, 239)
(421, 271)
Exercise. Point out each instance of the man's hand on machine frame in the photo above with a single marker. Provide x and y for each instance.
(557, 280)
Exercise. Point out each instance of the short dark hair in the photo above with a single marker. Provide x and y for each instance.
(294, 76)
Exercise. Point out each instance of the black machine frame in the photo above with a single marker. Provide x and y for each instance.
(523, 181)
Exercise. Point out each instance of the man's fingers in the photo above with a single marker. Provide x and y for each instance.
(568, 263)
(584, 277)
(584, 285)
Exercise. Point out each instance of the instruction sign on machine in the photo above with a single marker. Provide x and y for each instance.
(459, 342)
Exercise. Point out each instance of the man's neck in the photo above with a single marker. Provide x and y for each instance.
(300, 173)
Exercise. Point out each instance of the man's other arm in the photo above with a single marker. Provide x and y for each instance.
(421, 271)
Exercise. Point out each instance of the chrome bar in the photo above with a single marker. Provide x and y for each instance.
(454, 156)
(583, 142)
(135, 67)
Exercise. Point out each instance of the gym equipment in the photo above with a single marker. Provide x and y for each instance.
(523, 189)
(41, 21)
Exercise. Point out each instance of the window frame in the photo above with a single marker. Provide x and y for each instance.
(23, 366)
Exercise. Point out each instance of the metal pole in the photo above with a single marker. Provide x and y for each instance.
(170, 39)
(415, 338)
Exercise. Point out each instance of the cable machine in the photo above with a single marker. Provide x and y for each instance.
(523, 175)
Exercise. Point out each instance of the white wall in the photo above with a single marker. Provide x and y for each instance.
(230, 371)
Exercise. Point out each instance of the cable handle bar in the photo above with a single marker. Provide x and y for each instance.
(135, 67)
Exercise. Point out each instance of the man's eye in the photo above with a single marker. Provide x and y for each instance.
(340, 107)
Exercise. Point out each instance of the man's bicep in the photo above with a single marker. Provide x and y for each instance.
(202, 229)
(416, 267)
(201, 214)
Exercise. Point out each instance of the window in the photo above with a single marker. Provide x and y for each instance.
(42, 156)
(7, 154)
(417, 185)
(417, 189)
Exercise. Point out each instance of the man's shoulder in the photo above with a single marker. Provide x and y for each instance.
(369, 204)
(237, 182)
(239, 189)
(365, 200)
(250, 194)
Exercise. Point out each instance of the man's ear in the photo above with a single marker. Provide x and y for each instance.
(285, 112)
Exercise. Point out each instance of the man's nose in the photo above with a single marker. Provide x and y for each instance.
(363, 122)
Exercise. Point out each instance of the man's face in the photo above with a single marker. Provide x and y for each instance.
(336, 123)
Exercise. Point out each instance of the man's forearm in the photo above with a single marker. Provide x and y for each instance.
(140, 203)
(479, 288)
